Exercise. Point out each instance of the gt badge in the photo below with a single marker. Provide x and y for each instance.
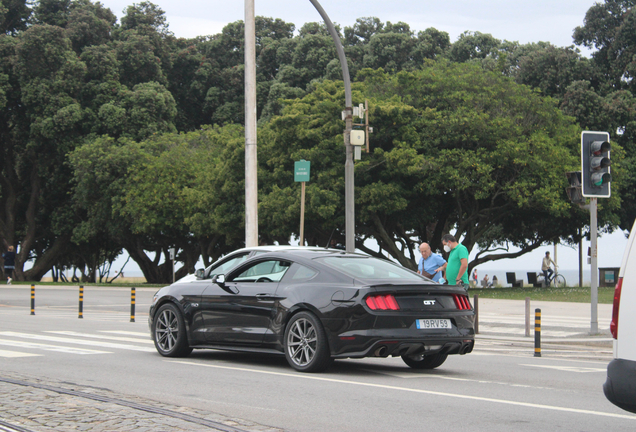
(429, 302)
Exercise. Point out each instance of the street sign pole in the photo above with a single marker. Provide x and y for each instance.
(302, 214)
(302, 169)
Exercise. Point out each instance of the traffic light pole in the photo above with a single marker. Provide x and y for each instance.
(595, 183)
(594, 262)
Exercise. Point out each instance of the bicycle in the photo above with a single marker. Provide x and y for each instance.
(557, 278)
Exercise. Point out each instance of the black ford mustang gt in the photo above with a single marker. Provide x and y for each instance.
(315, 306)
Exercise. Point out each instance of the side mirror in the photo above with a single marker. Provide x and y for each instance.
(219, 279)
(200, 274)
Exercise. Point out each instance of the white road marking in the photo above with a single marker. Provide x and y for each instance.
(416, 375)
(13, 354)
(76, 341)
(487, 328)
(568, 368)
(411, 390)
(46, 347)
(89, 316)
(115, 338)
(146, 334)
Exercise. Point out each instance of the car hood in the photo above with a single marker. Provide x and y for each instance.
(188, 278)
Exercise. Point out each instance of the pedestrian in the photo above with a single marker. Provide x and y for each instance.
(494, 281)
(485, 282)
(457, 265)
(546, 269)
(431, 264)
(475, 278)
(9, 263)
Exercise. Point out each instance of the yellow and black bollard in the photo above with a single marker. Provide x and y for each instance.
(132, 305)
(32, 299)
(81, 302)
(537, 332)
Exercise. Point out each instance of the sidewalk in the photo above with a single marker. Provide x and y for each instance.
(564, 327)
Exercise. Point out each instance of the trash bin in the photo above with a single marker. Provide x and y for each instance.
(608, 276)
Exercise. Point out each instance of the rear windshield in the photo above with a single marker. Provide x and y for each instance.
(369, 268)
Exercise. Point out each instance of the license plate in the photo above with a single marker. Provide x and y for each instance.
(433, 324)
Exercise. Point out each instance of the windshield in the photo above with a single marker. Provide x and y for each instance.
(370, 268)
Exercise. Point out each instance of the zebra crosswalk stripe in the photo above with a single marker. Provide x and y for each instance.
(14, 354)
(100, 344)
(47, 347)
(114, 338)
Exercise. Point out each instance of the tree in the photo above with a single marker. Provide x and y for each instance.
(610, 29)
(181, 190)
(49, 75)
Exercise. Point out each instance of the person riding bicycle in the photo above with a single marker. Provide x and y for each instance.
(546, 269)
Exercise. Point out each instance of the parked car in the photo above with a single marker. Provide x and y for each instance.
(620, 386)
(314, 306)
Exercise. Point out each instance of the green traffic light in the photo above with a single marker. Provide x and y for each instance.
(600, 178)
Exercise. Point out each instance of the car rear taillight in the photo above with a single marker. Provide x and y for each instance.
(617, 302)
(382, 302)
(461, 301)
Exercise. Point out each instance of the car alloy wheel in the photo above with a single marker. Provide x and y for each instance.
(169, 332)
(306, 346)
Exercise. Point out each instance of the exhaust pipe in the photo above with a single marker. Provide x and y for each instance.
(381, 352)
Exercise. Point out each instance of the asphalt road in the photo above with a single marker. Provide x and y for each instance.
(496, 388)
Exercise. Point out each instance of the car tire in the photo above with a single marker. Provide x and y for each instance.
(425, 361)
(169, 332)
(306, 346)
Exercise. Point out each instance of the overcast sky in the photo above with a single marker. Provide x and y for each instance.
(514, 20)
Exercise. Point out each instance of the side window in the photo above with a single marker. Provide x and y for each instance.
(299, 273)
(228, 265)
(264, 271)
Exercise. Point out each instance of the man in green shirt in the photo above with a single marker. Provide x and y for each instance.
(457, 265)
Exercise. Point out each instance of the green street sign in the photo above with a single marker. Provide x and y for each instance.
(301, 171)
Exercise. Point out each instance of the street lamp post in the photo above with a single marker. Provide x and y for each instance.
(349, 172)
(251, 176)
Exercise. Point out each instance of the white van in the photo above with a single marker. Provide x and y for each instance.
(620, 387)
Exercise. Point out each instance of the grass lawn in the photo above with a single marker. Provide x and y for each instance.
(568, 294)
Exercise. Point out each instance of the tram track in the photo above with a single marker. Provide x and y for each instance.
(213, 425)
